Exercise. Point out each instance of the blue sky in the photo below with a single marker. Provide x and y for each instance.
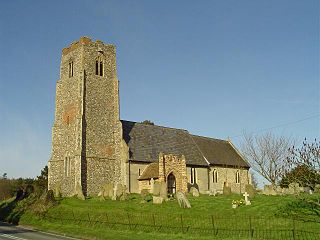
(215, 68)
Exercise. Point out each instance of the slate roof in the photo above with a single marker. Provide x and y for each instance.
(219, 152)
(146, 141)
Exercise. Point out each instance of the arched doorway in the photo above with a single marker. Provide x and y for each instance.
(171, 181)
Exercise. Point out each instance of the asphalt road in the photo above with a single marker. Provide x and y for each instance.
(8, 231)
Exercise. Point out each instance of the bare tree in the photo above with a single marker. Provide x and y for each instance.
(267, 155)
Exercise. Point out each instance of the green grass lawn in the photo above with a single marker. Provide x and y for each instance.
(209, 217)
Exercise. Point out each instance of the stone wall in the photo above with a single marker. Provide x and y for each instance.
(201, 178)
(227, 176)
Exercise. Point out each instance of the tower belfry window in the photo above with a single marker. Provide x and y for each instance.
(99, 67)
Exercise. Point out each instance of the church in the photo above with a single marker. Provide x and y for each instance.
(92, 146)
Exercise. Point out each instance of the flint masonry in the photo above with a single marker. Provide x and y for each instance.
(91, 146)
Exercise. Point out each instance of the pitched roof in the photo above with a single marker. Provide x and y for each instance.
(146, 141)
(219, 152)
(151, 171)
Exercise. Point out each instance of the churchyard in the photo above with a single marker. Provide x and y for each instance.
(210, 217)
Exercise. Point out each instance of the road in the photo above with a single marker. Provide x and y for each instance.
(8, 231)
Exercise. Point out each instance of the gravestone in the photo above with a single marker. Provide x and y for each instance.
(246, 199)
(250, 190)
(182, 200)
(269, 190)
(194, 192)
(156, 189)
(316, 188)
(106, 191)
(163, 190)
(119, 192)
(294, 187)
(226, 190)
(78, 192)
(151, 185)
(157, 200)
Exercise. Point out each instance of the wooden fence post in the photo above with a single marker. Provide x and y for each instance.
(293, 229)
(181, 223)
(213, 225)
(251, 229)
(129, 220)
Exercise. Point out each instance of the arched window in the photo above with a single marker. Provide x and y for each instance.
(215, 176)
(193, 176)
(237, 176)
(99, 66)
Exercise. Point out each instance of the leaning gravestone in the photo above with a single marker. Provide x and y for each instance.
(194, 192)
(183, 200)
(226, 190)
(250, 190)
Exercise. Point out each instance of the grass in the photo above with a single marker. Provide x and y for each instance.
(95, 219)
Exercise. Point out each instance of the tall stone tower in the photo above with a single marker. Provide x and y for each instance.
(87, 132)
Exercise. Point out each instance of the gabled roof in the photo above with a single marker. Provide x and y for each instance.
(146, 141)
(219, 152)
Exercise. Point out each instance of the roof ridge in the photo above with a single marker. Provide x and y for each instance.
(211, 138)
(154, 125)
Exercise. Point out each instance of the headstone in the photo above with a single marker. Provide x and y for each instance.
(163, 190)
(310, 192)
(182, 200)
(106, 191)
(157, 200)
(269, 190)
(246, 199)
(294, 187)
(156, 189)
(78, 192)
(119, 192)
(194, 192)
(316, 188)
(151, 185)
(226, 190)
(250, 190)
(306, 190)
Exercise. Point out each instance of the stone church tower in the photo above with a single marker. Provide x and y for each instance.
(87, 146)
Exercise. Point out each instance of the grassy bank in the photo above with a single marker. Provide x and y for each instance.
(209, 217)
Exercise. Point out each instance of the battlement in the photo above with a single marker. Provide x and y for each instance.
(83, 41)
